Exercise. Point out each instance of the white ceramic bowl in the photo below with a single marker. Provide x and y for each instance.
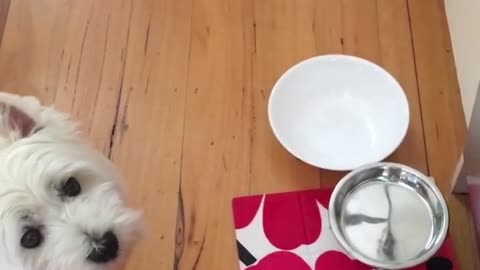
(338, 112)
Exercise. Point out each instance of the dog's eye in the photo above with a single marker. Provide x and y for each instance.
(32, 238)
(71, 188)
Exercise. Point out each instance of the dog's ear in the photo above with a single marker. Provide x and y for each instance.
(15, 122)
(23, 116)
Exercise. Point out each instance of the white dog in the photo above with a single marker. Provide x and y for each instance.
(61, 205)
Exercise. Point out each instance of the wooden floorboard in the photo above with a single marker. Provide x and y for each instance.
(4, 5)
(216, 140)
(70, 55)
(396, 53)
(283, 37)
(148, 136)
(176, 92)
(442, 113)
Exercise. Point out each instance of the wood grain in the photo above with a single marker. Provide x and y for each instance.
(283, 37)
(147, 140)
(396, 53)
(69, 54)
(443, 119)
(176, 91)
(216, 140)
(4, 5)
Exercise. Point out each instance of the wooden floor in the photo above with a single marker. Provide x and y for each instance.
(175, 92)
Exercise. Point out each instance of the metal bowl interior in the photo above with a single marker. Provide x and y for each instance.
(388, 216)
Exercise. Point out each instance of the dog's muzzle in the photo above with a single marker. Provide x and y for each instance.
(105, 248)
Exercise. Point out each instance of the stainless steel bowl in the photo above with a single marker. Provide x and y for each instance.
(388, 216)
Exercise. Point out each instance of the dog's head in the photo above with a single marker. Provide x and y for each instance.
(61, 203)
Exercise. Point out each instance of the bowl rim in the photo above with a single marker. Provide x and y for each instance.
(360, 257)
(292, 150)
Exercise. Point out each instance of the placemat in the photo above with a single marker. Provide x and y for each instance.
(290, 231)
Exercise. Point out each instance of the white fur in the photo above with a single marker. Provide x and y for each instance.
(31, 168)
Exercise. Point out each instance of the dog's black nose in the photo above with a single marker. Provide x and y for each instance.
(104, 249)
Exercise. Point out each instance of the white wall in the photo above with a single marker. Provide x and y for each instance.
(464, 23)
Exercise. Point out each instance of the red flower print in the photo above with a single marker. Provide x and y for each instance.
(244, 209)
(292, 219)
(334, 260)
(281, 260)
